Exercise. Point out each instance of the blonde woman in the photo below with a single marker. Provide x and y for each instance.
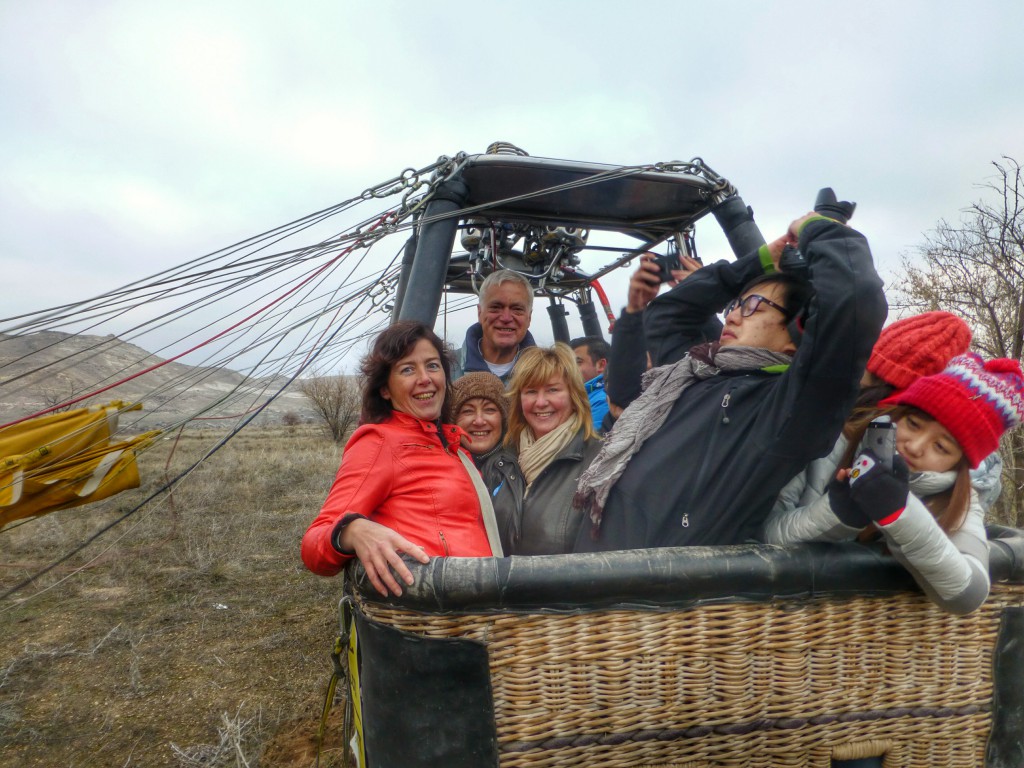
(551, 430)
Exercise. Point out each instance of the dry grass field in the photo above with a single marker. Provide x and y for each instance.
(190, 634)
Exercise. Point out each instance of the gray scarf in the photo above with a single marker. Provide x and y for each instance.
(645, 415)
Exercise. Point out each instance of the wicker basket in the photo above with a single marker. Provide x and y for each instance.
(781, 681)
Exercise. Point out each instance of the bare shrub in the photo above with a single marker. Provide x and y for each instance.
(336, 401)
(238, 745)
(62, 390)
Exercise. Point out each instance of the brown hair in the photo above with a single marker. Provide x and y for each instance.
(949, 507)
(390, 346)
(537, 365)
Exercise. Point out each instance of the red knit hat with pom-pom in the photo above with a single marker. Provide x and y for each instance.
(917, 346)
(975, 400)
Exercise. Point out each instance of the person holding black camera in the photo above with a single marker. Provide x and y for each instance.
(628, 357)
(700, 456)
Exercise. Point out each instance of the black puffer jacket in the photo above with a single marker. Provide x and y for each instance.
(506, 484)
(710, 473)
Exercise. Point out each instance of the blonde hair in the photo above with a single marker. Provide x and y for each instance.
(536, 366)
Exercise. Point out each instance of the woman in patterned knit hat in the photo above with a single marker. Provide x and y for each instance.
(915, 346)
(924, 505)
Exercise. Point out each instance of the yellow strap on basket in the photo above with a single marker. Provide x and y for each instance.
(332, 686)
(352, 729)
(353, 692)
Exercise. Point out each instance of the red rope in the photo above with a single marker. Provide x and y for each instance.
(605, 304)
(213, 338)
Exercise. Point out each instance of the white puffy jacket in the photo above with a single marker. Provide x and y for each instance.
(952, 570)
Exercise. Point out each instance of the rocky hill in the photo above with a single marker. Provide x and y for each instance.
(42, 369)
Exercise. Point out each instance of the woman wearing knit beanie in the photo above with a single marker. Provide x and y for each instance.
(924, 505)
(915, 346)
(480, 409)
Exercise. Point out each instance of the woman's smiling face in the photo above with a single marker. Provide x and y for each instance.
(546, 406)
(481, 420)
(416, 384)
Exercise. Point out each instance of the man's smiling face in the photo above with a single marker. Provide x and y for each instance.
(504, 315)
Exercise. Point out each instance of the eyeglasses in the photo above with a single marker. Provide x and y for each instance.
(749, 305)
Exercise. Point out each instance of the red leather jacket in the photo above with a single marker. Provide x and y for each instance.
(398, 474)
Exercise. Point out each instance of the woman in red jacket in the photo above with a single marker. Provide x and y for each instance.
(401, 487)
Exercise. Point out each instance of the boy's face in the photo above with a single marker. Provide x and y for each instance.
(765, 328)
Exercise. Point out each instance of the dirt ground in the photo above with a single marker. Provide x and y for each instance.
(189, 635)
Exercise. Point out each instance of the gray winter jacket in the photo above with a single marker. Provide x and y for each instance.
(952, 570)
(547, 524)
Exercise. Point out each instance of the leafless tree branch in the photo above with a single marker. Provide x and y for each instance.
(975, 269)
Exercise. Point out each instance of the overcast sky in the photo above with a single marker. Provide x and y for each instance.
(138, 135)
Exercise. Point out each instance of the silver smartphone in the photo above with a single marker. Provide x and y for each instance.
(880, 439)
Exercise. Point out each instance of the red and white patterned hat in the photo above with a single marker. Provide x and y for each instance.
(976, 400)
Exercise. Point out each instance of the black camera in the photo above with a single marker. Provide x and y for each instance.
(666, 263)
(682, 242)
(827, 205)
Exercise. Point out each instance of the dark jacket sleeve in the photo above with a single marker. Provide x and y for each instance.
(805, 412)
(687, 315)
(627, 359)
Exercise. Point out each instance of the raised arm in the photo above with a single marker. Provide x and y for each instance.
(687, 315)
(627, 360)
(803, 416)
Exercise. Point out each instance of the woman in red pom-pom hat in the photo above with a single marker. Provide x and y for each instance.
(916, 346)
(976, 401)
(922, 502)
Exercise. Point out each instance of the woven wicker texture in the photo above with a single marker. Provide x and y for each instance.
(788, 683)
